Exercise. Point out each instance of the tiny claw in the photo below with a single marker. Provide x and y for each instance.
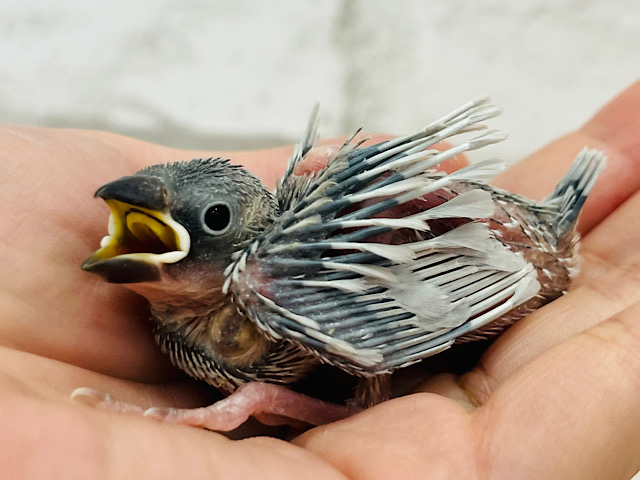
(162, 414)
(99, 399)
(91, 396)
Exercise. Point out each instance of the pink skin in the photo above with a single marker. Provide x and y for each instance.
(270, 404)
(317, 159)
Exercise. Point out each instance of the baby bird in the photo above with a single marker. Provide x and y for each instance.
(369, 265)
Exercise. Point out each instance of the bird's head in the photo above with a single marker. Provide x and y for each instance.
(173, 228)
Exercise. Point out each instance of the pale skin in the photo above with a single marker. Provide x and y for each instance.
(556, 396)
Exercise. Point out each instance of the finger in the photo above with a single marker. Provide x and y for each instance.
(269, 165)
(50, 224)
(54, 380)
(569, 404)
(130, 446)
(581, 308)
(33, 375)
(319, 157)
(417, 436)
(612, 241)
(600, 291)
(577, 401)
(453, 164)
(615, 129)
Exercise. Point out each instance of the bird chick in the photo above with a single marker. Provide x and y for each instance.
(371, 264)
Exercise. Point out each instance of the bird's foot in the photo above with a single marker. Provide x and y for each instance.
(268, 403)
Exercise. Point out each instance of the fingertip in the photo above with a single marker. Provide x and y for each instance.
(269, 165)
(453, 164)
(317, 159)
(614, 129)
(617, 124)
(578, 399)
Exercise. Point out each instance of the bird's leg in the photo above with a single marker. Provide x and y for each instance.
(271, 404)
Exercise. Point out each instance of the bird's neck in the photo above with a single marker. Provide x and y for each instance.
(186, 297)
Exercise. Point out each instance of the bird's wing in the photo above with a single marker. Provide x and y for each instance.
(381, 263)
(291, 187)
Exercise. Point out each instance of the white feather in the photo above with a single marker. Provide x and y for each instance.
(425, 159)
(430, 304)
(395, 253)
(471, 204)
(394, 223)
(484, 170)
(478, 171)
(380, 273)
(356, 285)
(392, 189)
(526, 289)
(475, 237)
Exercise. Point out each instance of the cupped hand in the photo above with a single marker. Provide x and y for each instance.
(556, 396)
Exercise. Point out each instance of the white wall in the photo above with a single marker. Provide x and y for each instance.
(246, 73)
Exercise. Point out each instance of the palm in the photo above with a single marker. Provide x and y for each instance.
(549, 406)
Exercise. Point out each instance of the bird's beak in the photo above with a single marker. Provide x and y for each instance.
(142, 236)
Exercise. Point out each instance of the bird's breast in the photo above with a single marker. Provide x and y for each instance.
(234, 337)
(224, 348)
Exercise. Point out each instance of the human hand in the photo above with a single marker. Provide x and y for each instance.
(546, 401)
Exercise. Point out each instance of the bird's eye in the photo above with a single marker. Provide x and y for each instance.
(216, 218)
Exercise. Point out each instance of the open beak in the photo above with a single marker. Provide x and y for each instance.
(142, 236)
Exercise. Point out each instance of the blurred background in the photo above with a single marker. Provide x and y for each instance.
(245, 74)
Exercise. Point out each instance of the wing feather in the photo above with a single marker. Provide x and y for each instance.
(352, 274)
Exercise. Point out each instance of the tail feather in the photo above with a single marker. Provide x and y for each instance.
(572, 191)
